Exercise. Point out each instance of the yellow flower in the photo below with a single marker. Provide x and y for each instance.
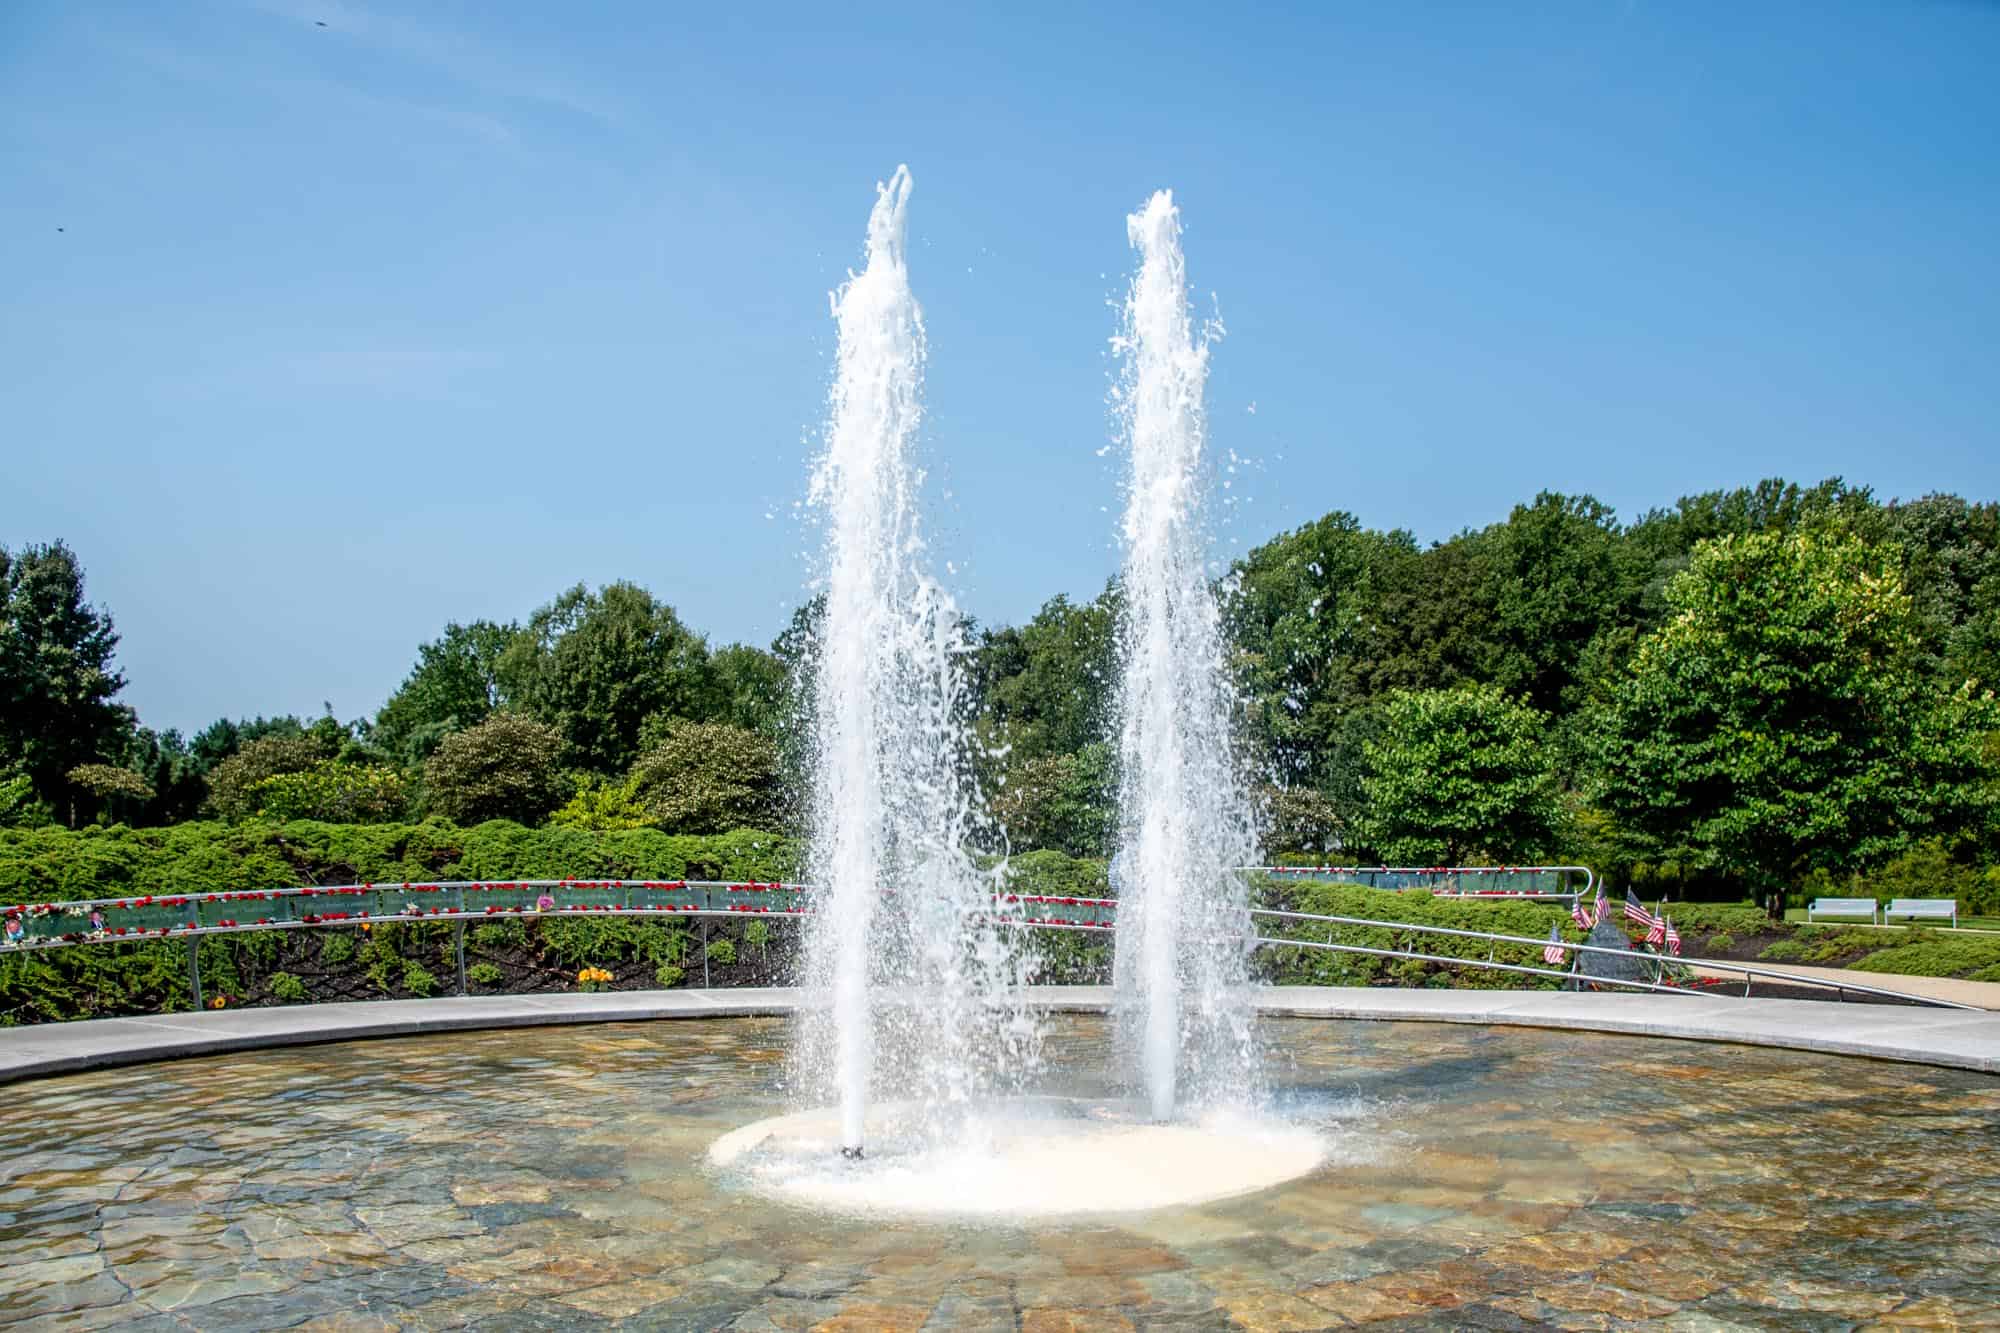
(218, 1002)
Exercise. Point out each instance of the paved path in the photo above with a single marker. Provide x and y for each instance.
(1985, 994)
(1953, 1037)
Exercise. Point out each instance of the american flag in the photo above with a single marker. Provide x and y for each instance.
(1553, 951)
(1635, 911)
(1656, 934)
(1582, 915)
(1673, 938)
(1597, 912)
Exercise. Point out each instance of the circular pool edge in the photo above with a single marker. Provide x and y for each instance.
(1949, 1038)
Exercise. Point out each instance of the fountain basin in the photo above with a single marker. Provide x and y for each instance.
(561, 1175)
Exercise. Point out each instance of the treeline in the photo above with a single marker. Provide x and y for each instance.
(1773, 687)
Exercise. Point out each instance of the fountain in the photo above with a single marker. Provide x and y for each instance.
(929, 997)
(1185, 822)
(1325, 1173)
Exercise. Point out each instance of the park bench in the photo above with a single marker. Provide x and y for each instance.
(1842, 907)
(1942, 908)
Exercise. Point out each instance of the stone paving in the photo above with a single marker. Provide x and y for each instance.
(553, 1178)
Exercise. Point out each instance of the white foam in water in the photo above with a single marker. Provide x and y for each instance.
(1185, 819)
(1037, 1158)
(892, 809)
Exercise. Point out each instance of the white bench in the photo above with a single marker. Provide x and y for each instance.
(1842, 907)
(1942, 908)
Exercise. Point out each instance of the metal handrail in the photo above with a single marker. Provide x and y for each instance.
(1071, 913)
(1589, 877)
(1720, 964)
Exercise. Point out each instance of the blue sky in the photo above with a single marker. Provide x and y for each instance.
(317, 337)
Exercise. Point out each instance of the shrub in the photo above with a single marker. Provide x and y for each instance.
(1719, 943)
(600, 806)
(504, 768)
(668, 976)
(232, 785)
(418, 979)
(484, 974)
(1064, 802)
(333, 791)
(336, 949)
(1936, 955)
(705, 777)
(288, 987)
(722, 952)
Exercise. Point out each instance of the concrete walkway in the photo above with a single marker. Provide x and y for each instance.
(1985, 994)
(1955, 1038)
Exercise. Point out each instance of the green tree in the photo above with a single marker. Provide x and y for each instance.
(233, 786)
(454, 685)
(754, 688)
(1045, 687)
(709, 777)
(1061, 802)
(115, 791)
(1562, 575)
(334, 791)
(1781, 721)
(58, 686)
(506, 767)
(1458, 775)
(596, 665)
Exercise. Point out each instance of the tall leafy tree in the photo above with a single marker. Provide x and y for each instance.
(455, 684)
(58, 684)
(596, 665)
(1459, 775)
(1045, 687)
(1782, 720)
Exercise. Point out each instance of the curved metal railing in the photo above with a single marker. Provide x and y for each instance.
(1531, 883)
(156, 917)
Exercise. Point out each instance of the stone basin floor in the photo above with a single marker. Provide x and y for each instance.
(555, 1178)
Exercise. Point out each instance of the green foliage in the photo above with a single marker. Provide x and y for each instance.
(335, 792)
(1062, 801)
(336, 949)
(506, 767)
(1720, 943)
(19, 806)
(754, 689)
(418, 979)
(596, 665)
(287, 986)
(601, 806)
(1299, 821)
(722, 952)
(1459, 775)
(58, 684)
(234, 784)
(1928, 870)
(1326, 968)
(757, 934)
(1779, 722)
(1045, 686)
(667, 976)
(109, 786)
(454, 685)
(484, 974)
(705, 777)
(1936, 955)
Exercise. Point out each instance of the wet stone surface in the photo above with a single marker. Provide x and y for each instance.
(555, 1178)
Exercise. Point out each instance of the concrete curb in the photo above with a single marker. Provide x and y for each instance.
(1957, 1039)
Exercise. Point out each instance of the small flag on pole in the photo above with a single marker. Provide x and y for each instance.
(1673, 938)
(1553, 952)
(1636, 911)
(1656, 934)
(1581, 914)
(1597, 912)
